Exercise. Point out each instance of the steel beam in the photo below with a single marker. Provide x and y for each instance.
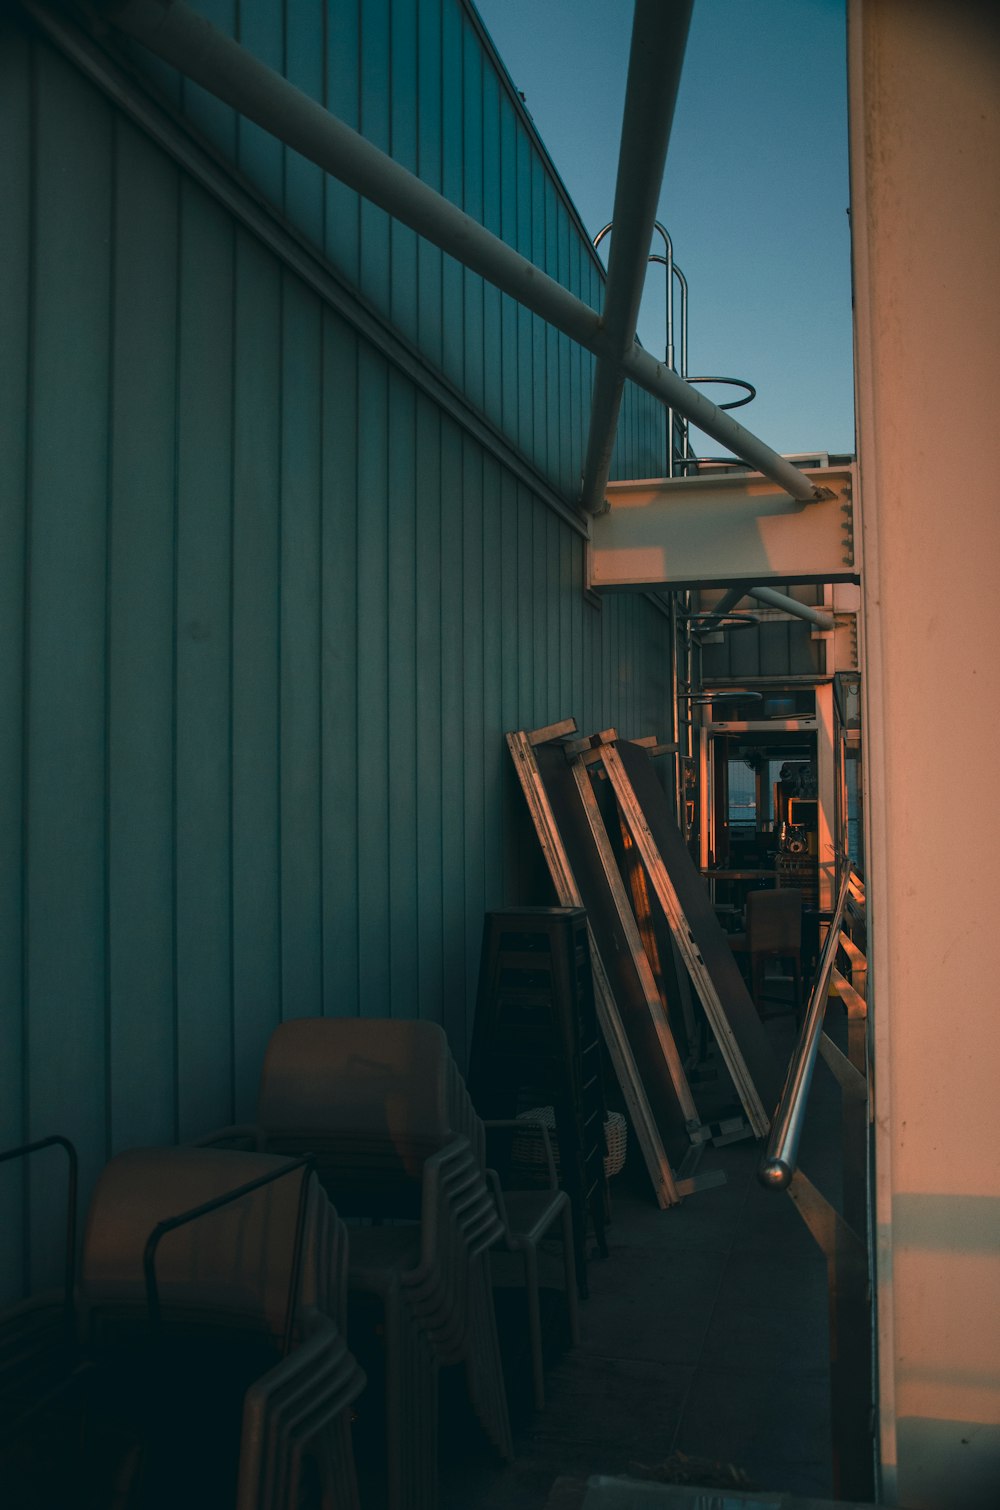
(722, 530)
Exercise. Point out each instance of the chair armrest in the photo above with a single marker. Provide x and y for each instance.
(523, 1124)
(493, 1180)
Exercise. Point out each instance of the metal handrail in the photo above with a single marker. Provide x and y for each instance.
(170, 1224)
(673, 271)
(778, 1164)
(69, 1266)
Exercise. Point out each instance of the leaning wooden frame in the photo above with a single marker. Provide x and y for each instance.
(734, 1023)
(523, 745)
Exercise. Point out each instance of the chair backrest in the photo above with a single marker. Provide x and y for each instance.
(371, 1099)
(372, 1076)
(231, 1268)
(774, 921)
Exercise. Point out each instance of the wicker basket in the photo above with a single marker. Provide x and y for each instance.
(529, 1151)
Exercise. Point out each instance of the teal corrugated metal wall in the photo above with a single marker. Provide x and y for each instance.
(419, 80)
(266, 613)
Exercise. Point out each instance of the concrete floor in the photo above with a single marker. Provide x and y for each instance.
(704, 1338)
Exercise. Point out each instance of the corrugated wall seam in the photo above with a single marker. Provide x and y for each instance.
(175, 136)
(529, 125)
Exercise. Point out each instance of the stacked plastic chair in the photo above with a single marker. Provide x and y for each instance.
(211, 1283)
(381, 1108)
(386, 1093)
(262, 1273)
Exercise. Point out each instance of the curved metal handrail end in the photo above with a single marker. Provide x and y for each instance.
(736, 403)
(786, 1128)
(774, 1174)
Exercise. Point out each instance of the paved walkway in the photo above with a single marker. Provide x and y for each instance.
(704, 1338)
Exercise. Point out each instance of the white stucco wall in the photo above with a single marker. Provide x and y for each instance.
(925, 150)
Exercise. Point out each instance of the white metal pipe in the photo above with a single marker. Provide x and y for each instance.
(199, 50)
(659, 36)
(817, 616)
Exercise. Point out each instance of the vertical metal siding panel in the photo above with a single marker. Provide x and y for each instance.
(472, 201)
(15, 318)
(404, 301)
(210, 115)
(772, 646)
(553, 444)
(594, 633)
(305, 30)
(300, 553)
(339, 775)
(803, 651)
(452, 272)
(141, 646)
(510, 313)
(404, 792)
(539, 329)
(578, 608)
(256, 877)
(541, 712)
(429, 763)
(525, 714)
(203, 696)
(524, 436)
(342, 237)
(474, 720)
(492, 567)
(429, 155)
(578, 385)
(553, 636)
(373, 663)
(567, 648)
(66, 862)
(566, 363)
(744, 652)
(452, 1006)
(510, 703)
(374, 126)
(612, 686)
(261, 155)
(492, 219)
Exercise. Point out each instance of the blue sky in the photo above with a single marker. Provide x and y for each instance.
(755, 192)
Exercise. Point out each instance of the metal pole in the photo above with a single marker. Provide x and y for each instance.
(778, 1164)
(668, 263)
(193, 45)
(674, 718)
(659, 36)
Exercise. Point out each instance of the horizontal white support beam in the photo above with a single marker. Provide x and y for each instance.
(721, 530)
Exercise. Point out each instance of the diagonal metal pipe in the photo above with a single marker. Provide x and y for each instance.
(733, 595)
(189, 43)
(659, 37)
(773, 599)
